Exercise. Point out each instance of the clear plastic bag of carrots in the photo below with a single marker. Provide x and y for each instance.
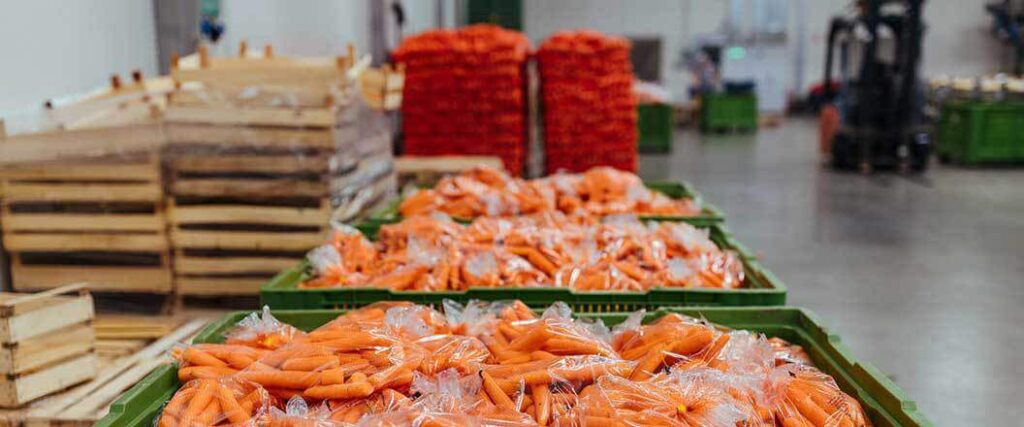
(223, 401)
(600, 191)
(434, 253)
(501, 364)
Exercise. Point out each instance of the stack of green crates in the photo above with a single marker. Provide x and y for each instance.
(654, 128)
(756, 308)
(973, 132)
(723, 111)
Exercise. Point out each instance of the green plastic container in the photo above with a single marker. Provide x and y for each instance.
(976, 132)
(281, 292)
(884, 402)
(728, 111)
(654, 125)
(710, 214)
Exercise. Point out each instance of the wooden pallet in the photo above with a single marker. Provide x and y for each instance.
(46, 343)
(100, 221)
(85, 404)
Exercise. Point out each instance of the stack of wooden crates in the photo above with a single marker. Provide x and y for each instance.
(258, 152)
(89, 206)
(47, 343)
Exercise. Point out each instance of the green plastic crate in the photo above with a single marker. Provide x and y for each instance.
(976, 132)
(654, 126)
(281, 292)
(710, 214)
(726, 111)
(886, 405)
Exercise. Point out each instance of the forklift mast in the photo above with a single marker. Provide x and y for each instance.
(879, 105)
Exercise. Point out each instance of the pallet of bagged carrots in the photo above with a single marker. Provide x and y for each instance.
(598, 192)
(612, 265)
(501, 363)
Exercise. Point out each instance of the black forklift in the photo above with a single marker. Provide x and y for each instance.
(879, 96)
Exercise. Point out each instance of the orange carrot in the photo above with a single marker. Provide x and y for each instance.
(542, 400)
(339, 391)
(495, 393)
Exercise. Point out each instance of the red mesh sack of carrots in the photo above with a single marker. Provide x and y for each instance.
(599, 191)
(216, 402)
(587, 91)
(464, 93)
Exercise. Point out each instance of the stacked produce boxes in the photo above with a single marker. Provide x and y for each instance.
(260, 152)
(464, 93)
(89, 207)
(589, 109)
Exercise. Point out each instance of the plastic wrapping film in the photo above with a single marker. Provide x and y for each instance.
(600, 191)
(433, 252)
(216, 402)
(501, 364)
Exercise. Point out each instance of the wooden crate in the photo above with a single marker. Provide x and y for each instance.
(100, 221)
(46, 343)
(233, 248)
(85, 404)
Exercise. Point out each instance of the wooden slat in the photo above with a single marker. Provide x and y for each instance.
(15, 222)
(254, 188)
(219, 285)
(241, 214)
(248, 136)
(43, 350)
(277, 163)
(246, 240)
(80, 144)
(65, 192)
(242, 96)
(14, 392)
(54, 242)
(443, 164)
(83, 171)
(219, 265)
(131, 279)
(288, 78)
(253, 116)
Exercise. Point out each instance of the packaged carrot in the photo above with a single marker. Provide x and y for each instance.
(454, 399)
(216, 402)
(213, 360)
(262, 331)
(804, 396)
(686, 398)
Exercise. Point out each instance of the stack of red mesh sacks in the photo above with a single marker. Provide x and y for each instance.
(464, 93)
(589, 106)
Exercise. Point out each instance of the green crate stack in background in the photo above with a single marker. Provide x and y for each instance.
(654, 125)
(979, 131)
(885, 404)
(723, 111)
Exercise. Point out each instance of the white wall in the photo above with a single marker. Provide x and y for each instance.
(55, 48)
(308, 27)
(956, 41)
(670, 19)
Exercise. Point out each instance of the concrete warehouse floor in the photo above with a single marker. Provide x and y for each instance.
(922, 276)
